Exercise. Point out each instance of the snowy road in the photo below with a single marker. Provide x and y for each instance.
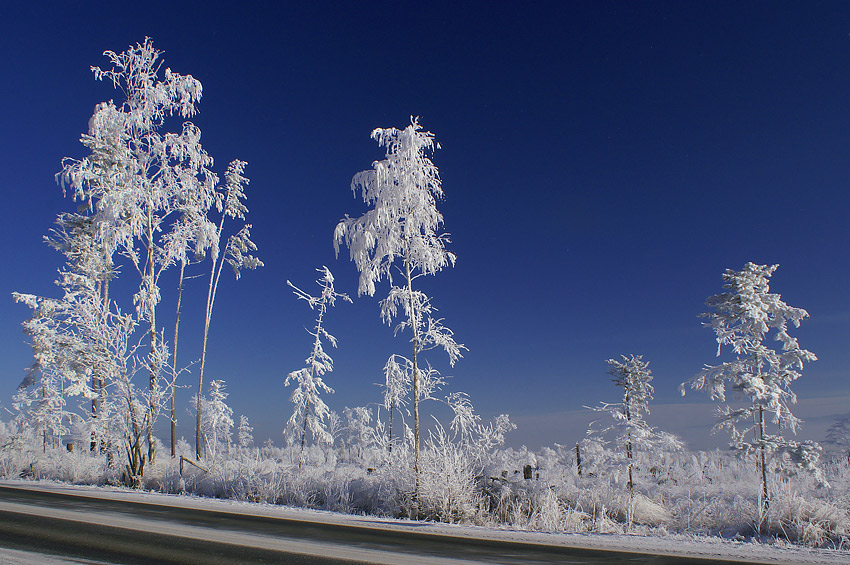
(131, 527)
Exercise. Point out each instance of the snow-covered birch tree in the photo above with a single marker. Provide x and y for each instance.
(136, 177)
(402, 230)
(81, 342)
(310, 410)
(194, 232)
(742, 318)
(237, 253)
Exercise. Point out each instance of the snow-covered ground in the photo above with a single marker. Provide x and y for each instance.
(671, 545)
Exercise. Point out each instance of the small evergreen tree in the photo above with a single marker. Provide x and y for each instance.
(838, 436)
(742, 318)
(244, 434)
(310, 410)
(630, 428)
(219, 419)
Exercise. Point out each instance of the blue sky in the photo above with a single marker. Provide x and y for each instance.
(603, 163)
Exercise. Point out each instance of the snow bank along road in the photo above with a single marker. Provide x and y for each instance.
(132, 527)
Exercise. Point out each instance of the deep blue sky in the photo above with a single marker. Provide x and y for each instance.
(603, 163)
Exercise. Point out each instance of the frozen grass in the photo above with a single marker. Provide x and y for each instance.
(705, 493)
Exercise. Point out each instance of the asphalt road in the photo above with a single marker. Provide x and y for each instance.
(120, 531)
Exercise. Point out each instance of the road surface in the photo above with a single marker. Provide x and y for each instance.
(85, 526)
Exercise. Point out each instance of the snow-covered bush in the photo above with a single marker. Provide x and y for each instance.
(448, 488)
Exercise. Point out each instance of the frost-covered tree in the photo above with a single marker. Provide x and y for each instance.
(397, 386)
(85, 282)
(218, 419)
(474, 437)
(402, 230)
(237, 254)
(81, 342)
(310, 410)
(137, 179)
(630, 428)
(742, 318)
(194, 232)
(361, 433)
(244, 433)
(838, 435)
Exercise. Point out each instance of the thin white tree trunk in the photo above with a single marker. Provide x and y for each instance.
(210, 301)
(154, 368)
(174, 360)
(414, 324)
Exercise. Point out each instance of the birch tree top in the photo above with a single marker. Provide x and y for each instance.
(404, 222)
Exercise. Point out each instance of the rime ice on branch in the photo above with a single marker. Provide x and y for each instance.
(402, 229)
(742, 318)
(136, 177)
(630, 429)
(310, 410)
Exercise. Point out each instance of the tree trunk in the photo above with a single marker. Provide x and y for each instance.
(765, 505)
(96, 391)
(628, 411)
(764, 492)
(304, 432)
(174, 360)
(578, 459)
(210, 301)
(198, 446)
(390, 430)
(415, 326)
(101, 388)
(154, 368)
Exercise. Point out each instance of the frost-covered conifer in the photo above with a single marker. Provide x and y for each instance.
(244, 434)
(219, 419)
(361, 434)
(742, 318)
(401, 229)
(838, 436)
(310, 410)
(629, 428)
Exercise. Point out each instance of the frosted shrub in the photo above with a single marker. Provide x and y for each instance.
(448, 490)
(811, 522)
(648, 512)
(550, 513)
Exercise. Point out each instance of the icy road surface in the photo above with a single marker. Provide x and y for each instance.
(114, 525)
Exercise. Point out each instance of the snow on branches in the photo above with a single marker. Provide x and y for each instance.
(629, 428)
(137, 178)
(310, 410)
(404, 221)
(742, 318)
(403, 224)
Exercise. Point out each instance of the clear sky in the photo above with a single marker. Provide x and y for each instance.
(603, 163)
